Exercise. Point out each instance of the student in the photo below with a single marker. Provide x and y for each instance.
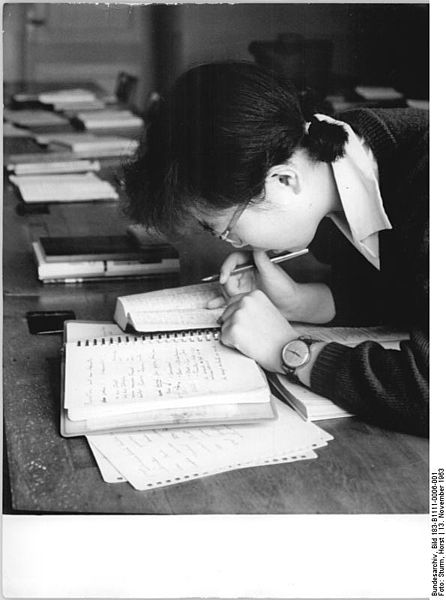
(231, 149)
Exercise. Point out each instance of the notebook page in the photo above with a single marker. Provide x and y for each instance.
(154, 457)
(129, 374)
(174, 320)
(85, 330)
(188, 296)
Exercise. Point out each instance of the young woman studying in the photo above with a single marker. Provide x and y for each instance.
(231, 149)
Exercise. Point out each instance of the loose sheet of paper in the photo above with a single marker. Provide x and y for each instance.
(109, 473)
(166, 456)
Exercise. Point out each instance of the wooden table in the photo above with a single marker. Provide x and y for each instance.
(364, 469)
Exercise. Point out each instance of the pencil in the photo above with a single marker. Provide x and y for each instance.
(275, 259)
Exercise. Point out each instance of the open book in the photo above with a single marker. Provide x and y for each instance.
(169, 310)
(112, 381)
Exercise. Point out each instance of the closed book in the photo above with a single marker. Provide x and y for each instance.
(97, 269)
(56, 270)
(109, 119)
(103, 247)
(47, 167)
(64, 187)
(83, 142)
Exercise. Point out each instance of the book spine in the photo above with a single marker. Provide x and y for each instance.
(184, 335)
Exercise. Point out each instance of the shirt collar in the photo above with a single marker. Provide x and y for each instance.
(356, 176)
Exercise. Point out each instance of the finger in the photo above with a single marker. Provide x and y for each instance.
(218, 302)
(238, 284)
(263, 263)
(232, 306)
(227, 338)
(232, 261)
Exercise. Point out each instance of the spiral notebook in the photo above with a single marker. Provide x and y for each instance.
(116, 382)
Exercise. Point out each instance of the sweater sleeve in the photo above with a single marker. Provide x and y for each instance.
(387, 387)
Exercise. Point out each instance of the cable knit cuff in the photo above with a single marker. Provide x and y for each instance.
(323, 373)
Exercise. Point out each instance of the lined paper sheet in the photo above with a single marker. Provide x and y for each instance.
(172, 320)
(109, 473)
(167, 456)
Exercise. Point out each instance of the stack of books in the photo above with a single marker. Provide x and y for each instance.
(88, 258)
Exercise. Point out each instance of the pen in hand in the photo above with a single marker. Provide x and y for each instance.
(275, 259)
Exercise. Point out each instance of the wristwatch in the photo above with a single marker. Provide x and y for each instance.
(296, 354)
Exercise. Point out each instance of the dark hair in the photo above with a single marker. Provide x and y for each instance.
(213, 140)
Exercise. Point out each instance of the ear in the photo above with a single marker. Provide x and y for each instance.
(284, 175)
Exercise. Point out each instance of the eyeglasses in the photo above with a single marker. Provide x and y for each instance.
(224, 235)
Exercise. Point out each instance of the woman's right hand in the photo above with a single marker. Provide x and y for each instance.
(312, 303)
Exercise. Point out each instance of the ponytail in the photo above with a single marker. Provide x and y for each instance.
(325, 140)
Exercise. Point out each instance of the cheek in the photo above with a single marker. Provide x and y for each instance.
(268, 233)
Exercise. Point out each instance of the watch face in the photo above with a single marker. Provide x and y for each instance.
(295, 354)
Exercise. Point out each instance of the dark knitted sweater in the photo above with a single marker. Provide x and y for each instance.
(388, 387)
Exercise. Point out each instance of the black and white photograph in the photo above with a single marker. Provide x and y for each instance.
(216, 295)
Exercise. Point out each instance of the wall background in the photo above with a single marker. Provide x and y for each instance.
(384, 44)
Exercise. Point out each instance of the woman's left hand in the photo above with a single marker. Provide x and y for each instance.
(254, 326)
